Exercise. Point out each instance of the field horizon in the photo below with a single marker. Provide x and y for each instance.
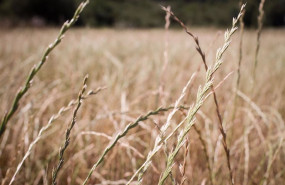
(128, 64)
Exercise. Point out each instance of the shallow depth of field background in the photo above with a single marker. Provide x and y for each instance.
(129, 62)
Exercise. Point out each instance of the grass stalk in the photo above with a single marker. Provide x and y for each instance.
(205, 150)
(122, 134)
(259, 30)
(161, 139)
(203, 56)
(165, 59)
(246, 155)
(190, 119)
(182, 167)
(237, 85)
(46, 127)
(270, 162)
(23, 90)
(68, 131)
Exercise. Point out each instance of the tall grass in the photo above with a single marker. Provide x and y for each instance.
(47, 126)
(162, 138)
(122, 134)
(23, 90)
(200, 98)
(117, 139)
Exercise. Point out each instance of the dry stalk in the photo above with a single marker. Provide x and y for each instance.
(241, 22)
(22, 91)
(182, 167)
(259, 30)
(205, 150)
(271, 160)
(47, 126)
(126, 145)
(202, 54)
(122, 134)
(253, 106)
(246, 155)
(165, 57)
(68, 131)
(166, 152)
(190, 119)
(161, 139)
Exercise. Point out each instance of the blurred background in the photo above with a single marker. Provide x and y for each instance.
(135, 13)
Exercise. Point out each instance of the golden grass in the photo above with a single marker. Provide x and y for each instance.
(130, 63)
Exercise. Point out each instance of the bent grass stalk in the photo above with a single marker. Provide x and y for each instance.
(189, 122)
(46, 127)
(110, 138)
(190, 119)
(37, 67)
(182, 167)
(254, 106)
(203, 56)
(68, 131)
(270, 149)
(271, 160)
(157, 146)
(205, 150)
(161, 139)
(204, 147)
(122, 134)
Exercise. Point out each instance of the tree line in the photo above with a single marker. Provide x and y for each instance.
(140, 13)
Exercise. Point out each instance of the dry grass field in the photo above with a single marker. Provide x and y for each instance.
(129, 66)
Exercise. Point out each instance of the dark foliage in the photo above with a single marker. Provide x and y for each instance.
(140, 13)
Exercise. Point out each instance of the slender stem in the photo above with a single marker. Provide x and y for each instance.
(46, 127)
(68, 131)
(122, 134)
(239, 62)
(162, 138)
(205, 150)
(259, 30)
(200, 96)
(204, 146)
(22, 91)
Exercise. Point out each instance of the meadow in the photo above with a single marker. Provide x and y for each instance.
(133, 72)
